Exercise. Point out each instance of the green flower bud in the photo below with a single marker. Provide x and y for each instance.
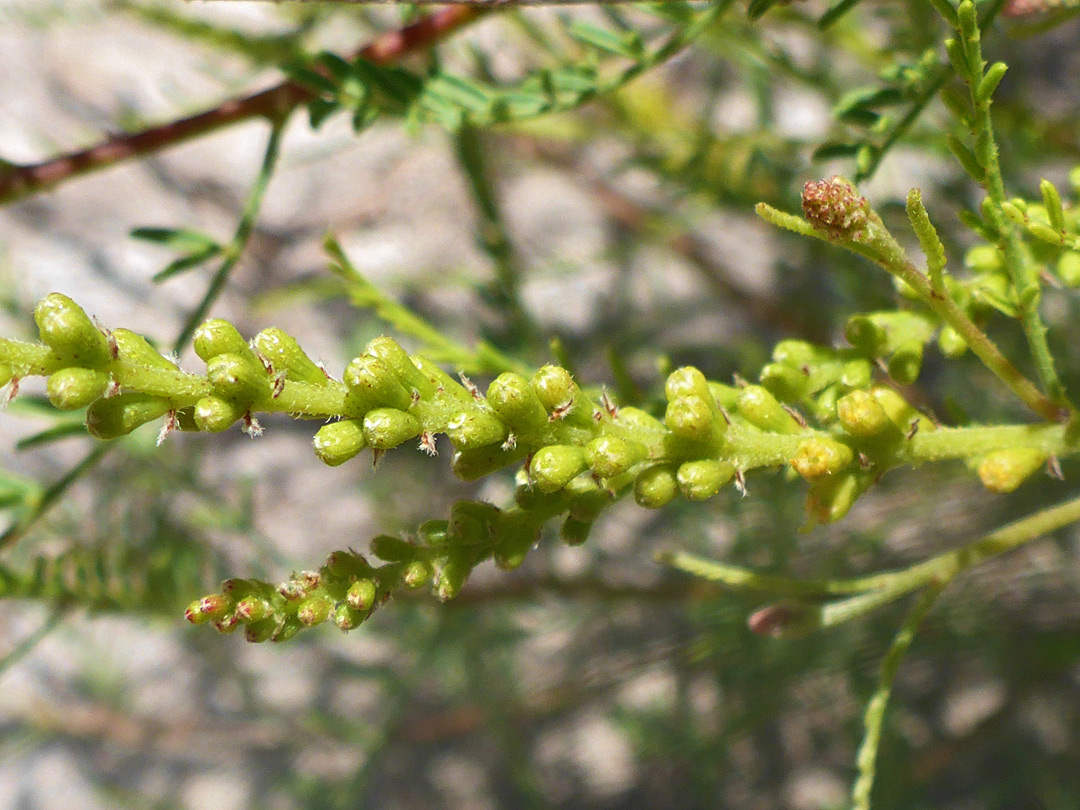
(588, 505)
(786, 383)
(392, 549)
(238, 378)
(338, 442)
(862, 415)
(134, 348)
(574, 532)
(950, 342)
(217, 336)
(417, 574)
(314, 610)
(516, 533)
(375, 384)
(361, 595)
(725, 396)
(554, 387)
(821, 456)
(471, 522)
(118, 416)
(856, 373)
(761, 409)
(608, 456)
(906, 362)
(347, 618)
(655, 487)
(796, 353)
(474, 428)
(554, 466)
(286, 630)
(831, 497)
(637, 419)
(515, 403)
(434, 532)
(477, 462)
(210, 608)
(900, 411)
(1005, 470)
(252, 609)
(439, 379)
(387, 427)
(393, 356)
(72, 388)
(214, 414)
(691, 417)
(686, 381)
(866, 335)
(70, 333)
(1068, 268)
(451, 572)
(263, 630)
(286, 357)
(700, 480)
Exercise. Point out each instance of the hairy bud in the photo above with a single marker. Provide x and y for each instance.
(835, 207)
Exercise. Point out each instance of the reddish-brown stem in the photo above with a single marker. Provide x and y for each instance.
(21, 181)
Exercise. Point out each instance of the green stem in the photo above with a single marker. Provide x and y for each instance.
(874, 717)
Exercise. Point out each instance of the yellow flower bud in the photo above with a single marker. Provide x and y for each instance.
(553, 467)
(655, 487)
(237, 377)
(899, 410)
(862, 415)
(608, 456)
(70, 333)
(338, 442)
(831, 497)
(118, 416)
(387, 427)
(474, 428)
(217, 336)
(1005, 470)
(821, 456)
(761, 409)
(700, 480)
(686, 381)
(72, 388)
(389, 351)
(373, 383)
(214, 414)
(361, 594)
(691, 417)
(286, 357)
(515, 402)
(554, 386)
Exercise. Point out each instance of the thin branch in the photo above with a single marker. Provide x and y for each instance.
(22, 181)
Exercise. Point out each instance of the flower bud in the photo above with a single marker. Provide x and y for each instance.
(821, 456)
(387, 427)
(433, 532)
(288, 628)
(217, 336)
(516, 533)
(906, 362)
(554, 387)
(984, 259)
(347, 618)
(862, 415)
(950, 342)
(725, 396)
(608, 456)
(252, 609)
(784, 382)
(637, 419)
(796, 353)
(515, 403)
(338, 442)
(263, 630)
(831, 497)
(209, 608)
(286, 357)
(1005, 470)
(574, 532)
(361, 595)
(1068, 268)
(451, 572)
(686, 381)
(238, 378)
(866, 334)
(375, 384)
(70, 333)
(417, 574)
(135, 349)
(477, 462)
(392, 549)
(690, 417)
(389, 351)
(72, 388)
(835, 207)
(314, 610)
(856, 373)
(761, 409)
(214, 414)
(900, 411)
(474, 428)
(471, 522)
(554, 466)
(655, 487)
(118, 416)
(700, 480)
